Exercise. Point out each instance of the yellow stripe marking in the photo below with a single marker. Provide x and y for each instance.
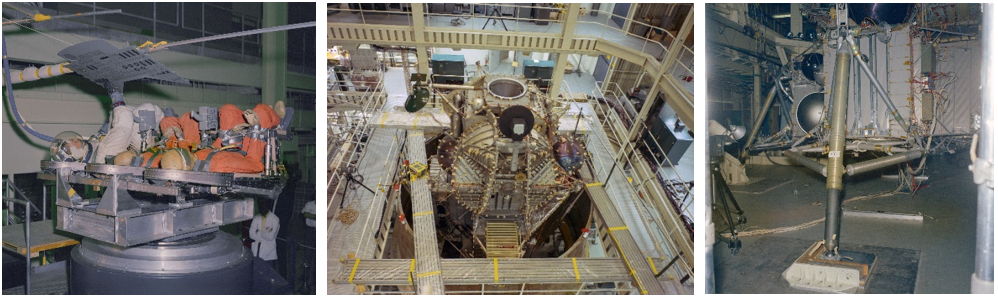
(421, 275)
(383, 118)
(616, 228)
(576, 266)
(594, 184)
(412, 269)
(354, 271)
(628, 263)
(415, 119)
(36, 74)
(422, 213)
(652, 264)
(495, 269)
(48, 70)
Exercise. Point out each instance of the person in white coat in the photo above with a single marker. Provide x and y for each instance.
(263, 231)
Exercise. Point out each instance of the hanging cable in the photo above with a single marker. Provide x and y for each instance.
(13, 103)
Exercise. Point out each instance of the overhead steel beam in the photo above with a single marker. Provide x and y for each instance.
(677, 97)
(567, 35)
(677, 44)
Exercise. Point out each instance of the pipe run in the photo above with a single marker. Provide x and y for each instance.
(454, 86)
(862, 147)
(13, 103)
(887, 148)
(37, 73)
(42, 17)
(855, 168)
(866, 166)
(807, 162)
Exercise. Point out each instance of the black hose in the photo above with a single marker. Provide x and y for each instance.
(771, 159)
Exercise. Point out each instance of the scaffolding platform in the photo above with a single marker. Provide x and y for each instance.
(490, 271)
(431, 118)
(355, 237)
(624, 199)
(625, 244)
(428, 277)
(43, 237)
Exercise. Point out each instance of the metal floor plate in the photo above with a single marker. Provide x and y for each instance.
(757, 268)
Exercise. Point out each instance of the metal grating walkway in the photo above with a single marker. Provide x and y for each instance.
(620, 234)
(357, 237)
(429, 278)
(624, 199)
(493, 271)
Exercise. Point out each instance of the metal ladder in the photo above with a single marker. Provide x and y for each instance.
(502, 239)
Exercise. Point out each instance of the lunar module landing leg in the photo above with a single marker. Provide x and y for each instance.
(824, 267)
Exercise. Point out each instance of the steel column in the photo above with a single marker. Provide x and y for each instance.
(709, 232)
(418, 26)
(982, 281)
(677, 44)
(275, 53)
(27, 244)
(567, 34)
(756, 91)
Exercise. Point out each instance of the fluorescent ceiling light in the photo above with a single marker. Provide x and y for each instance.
(782, 16)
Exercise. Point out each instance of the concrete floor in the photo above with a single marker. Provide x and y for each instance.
(945, 238)
(52, 279)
